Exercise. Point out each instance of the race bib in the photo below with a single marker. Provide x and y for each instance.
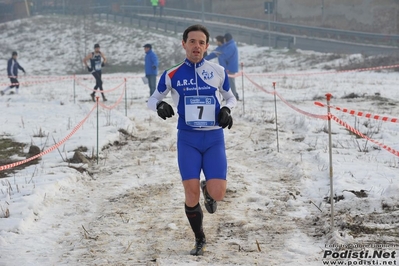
(200, 111)
(97, 66)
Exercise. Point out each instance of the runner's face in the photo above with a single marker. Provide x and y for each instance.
(195, 46)
(97, 50)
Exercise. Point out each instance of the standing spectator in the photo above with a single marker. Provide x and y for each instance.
(231, 59)
(12, 72)
(151, 67)
(161, 6)
(154, 4)
(95, 69)
(218, 52)
(227, 54)
(198, 88)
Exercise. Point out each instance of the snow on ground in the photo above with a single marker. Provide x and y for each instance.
(128, 209)
(65, 41)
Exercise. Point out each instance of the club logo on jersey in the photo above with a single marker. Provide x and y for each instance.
(185, 82)
(207, 75)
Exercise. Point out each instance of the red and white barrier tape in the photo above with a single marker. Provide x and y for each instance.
(115, 104)
(27, 76)
(257, 85)
(342, 123)
(86, 77)
(35, 82)
(104, 91)
(238, 74)
(361, 114)
(323, 72)
(12, 165)
(324, 117)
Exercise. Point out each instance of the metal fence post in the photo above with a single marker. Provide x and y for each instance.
(125, 99)
(74, 90)
(276, 114)
(328, 96)
(243, 90)
(97, 97)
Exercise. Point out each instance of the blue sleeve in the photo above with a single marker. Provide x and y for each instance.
(215, 53)
(9, 67)
(162, 84)
(159, 94)
(154, 60)
(211, 56)
(223, 61)
(228, 51)
(21, 68)
(226, 85)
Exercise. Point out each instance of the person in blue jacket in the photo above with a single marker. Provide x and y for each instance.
(201, 93)
(12, 72)
(218, 51)
(151, 67)
(227, 55)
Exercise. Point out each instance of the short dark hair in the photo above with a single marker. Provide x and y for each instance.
(196, 27)
(220, 38)
(14, 53)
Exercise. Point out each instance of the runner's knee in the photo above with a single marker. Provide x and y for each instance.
(216, 189)
(192, 192)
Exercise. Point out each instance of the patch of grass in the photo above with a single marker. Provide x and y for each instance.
(352, 96)
(356, 229)
(377, 98)
(40, 134)
(318, 97)
(372, 61)
(389, 207)
(336, 198)
(8, 149)
(81, 149)
(299, 139)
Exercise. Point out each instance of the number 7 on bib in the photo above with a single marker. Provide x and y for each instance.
(200, 111)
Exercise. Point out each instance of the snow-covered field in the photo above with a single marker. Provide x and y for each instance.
(129, 208)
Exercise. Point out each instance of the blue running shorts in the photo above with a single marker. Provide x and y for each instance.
(201, 150)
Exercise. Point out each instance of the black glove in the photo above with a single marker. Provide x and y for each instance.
(89, 69)
(102, 64)
(164, 110)
(224, 118)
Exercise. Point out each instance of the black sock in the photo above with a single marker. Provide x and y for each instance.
(194, 216)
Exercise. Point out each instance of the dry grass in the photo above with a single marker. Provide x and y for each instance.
(372, 61)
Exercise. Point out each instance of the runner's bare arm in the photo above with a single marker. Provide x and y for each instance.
(104, 58)
(85, 60)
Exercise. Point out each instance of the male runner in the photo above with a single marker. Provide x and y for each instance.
(197, 87)
(95, 69)
(12, 72)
